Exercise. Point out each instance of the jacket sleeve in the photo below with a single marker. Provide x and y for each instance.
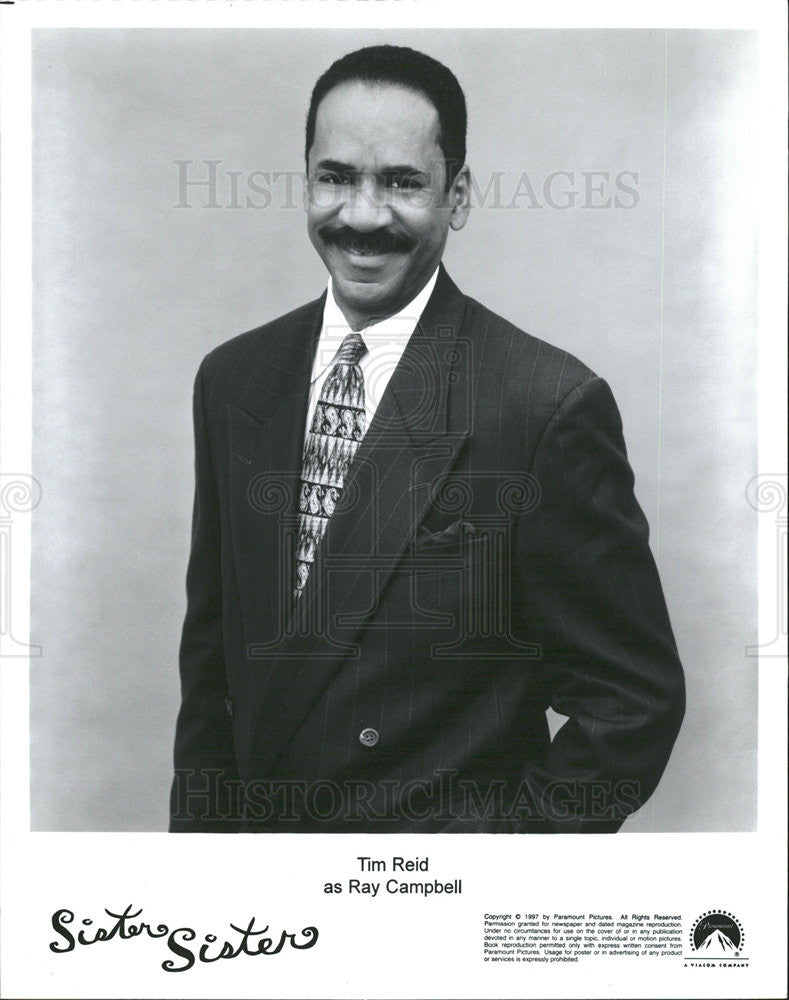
(206, 774)
(607, 653)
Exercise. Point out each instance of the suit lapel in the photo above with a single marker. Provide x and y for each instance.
(266, 434)
(418, 429)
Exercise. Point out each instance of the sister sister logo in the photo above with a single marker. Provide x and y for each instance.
(238, 941)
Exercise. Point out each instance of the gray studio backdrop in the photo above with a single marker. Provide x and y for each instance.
(638, 257)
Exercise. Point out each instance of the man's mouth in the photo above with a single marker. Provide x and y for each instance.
(358, 251)
(367, 244)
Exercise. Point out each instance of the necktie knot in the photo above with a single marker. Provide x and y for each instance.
(351, 349)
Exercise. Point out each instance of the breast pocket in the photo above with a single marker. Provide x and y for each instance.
(467, 586)
(451, 575)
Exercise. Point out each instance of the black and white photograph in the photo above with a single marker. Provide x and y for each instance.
(491, 556)
(394, 415)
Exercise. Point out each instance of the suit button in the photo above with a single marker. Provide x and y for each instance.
(368, 737)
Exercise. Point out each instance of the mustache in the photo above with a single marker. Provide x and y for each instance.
(377, 241)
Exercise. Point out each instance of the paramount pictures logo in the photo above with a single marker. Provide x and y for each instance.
(717, 939)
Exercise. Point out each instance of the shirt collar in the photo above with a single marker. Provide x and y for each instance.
(388, 335)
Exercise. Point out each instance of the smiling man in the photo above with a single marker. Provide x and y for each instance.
(414, 530)
(381, 196)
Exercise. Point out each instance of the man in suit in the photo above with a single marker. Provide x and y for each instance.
(414, 530)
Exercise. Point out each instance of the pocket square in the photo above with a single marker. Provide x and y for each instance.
(453, 535)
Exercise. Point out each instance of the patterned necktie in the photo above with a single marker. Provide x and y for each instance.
(338, 425)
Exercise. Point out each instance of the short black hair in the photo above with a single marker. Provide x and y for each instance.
(404, 67)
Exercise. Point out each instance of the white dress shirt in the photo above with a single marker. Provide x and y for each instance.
(385, 342)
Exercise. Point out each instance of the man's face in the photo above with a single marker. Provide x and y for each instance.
(377, 210)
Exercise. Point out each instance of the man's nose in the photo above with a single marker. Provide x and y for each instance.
(365, 208)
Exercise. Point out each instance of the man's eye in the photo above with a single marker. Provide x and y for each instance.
(332, 178)
(408, 183)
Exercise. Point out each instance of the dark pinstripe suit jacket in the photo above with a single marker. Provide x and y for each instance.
(488, 560)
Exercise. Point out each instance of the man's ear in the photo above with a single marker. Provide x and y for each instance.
(460, 198)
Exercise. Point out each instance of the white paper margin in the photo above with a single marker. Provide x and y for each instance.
(392, 947)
